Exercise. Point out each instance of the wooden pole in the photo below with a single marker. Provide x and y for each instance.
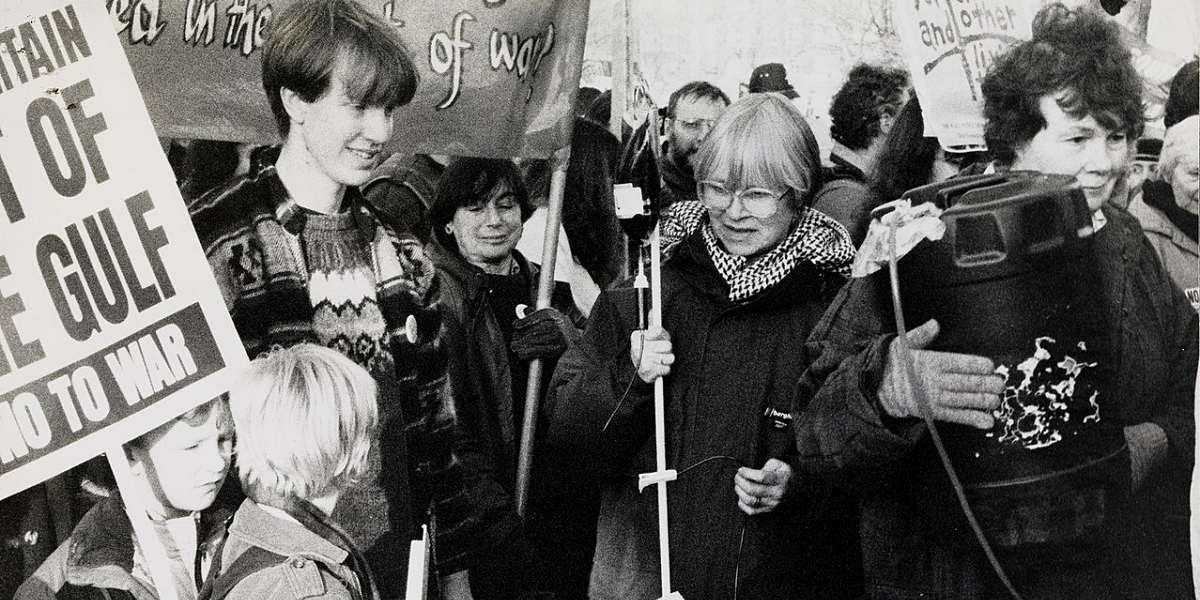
(558, 182)
(620, 69)
(135, 507)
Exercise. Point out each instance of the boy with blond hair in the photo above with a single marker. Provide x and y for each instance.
(305, 418)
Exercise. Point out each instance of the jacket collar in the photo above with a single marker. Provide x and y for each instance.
(282, 536)
(292, 216)
(471, 278)
(1159, 196)
(101, 548)
(844, 169)
(1154, 220)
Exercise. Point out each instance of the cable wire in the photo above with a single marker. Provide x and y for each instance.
(710, 459)
(927, 416)
(629, 386)
(737, 563)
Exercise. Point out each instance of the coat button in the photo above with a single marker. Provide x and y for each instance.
(297, 563)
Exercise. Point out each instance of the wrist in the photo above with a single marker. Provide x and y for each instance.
(1148, 443)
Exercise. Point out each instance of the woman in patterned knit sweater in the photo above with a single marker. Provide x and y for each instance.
(300, 258)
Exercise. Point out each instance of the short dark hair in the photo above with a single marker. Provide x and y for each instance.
(468, 180)
(907, 157)
(1077, 52)
(700, 90)
(309, 37)
(870, 93)
(1182, 99)
(589, 215)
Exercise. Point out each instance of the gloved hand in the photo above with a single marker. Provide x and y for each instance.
(960, 388)
(545, 333)
(650, 352)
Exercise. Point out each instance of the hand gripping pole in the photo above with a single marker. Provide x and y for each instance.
(661, 475)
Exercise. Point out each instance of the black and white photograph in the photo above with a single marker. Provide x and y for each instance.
(599, 299)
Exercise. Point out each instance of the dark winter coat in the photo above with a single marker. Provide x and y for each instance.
(559, 532)
(845, 196)
(1154, 332)
(97, 561)
(735, 363)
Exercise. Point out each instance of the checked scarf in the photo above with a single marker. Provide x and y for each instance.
(816, 238)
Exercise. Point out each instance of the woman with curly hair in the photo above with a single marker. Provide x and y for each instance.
(1065, 102)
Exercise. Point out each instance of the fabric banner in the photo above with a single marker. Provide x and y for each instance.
(110, 320)
(498, 77)
(949, 45)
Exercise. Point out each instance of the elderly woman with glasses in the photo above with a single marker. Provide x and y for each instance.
(748, 270)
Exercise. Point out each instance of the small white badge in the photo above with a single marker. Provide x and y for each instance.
(410, 329)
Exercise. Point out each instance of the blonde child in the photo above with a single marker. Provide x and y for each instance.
(305, 417)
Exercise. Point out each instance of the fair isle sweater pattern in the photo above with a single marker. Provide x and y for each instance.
(261, 269)
(341, 288)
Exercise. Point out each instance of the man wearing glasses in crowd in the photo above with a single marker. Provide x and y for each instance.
(691, 112)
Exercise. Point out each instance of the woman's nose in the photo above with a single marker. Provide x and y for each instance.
(493, 216)
(377, 124)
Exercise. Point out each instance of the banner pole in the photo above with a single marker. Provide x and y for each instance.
(558, 182)
(152, 548)
(660, 428)
(620, 70)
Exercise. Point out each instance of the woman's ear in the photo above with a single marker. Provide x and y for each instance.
(294, 105)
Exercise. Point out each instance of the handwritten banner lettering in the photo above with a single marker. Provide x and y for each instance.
(949, 46)
(498, 77)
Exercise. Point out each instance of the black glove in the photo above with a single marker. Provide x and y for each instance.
(545, 333)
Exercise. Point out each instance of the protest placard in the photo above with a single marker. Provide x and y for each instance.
(498, 77)
(949, 46)
(110, 321)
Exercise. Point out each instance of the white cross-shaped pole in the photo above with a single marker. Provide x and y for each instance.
(661, 475)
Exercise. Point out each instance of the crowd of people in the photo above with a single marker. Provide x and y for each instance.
(388, 306)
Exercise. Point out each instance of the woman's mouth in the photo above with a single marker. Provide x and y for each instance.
(364, 154)
(739, 230)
